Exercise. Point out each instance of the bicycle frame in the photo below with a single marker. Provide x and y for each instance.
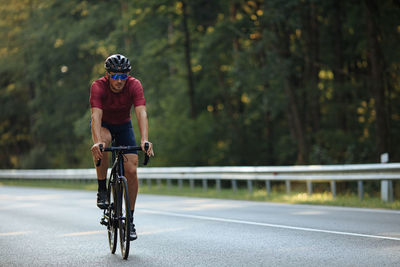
(116, 216)
(117, 160)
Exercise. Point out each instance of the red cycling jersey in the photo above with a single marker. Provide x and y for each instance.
(116, 106)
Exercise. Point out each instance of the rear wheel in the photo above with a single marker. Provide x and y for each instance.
(124, 218)
(112, 218)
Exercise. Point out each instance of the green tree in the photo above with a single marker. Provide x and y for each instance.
(227, 82)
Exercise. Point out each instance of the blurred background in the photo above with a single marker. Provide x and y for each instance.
(227, 82)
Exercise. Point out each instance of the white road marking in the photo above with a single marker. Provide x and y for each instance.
(268, 225)
(159, 231)
(309, 212)
(19, 206)
(41, 197)
(14, 233)
(350, 209)
(85, 233)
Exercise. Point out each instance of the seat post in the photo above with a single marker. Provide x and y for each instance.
(113, 152)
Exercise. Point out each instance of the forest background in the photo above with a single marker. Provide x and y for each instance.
(227, 82)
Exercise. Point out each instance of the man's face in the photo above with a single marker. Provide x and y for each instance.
(117, 82)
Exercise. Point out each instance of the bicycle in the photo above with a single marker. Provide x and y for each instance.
(117, 214)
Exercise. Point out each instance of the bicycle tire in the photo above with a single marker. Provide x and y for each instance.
(112, 218)
(124, 218)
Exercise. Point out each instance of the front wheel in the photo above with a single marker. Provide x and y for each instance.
(124, 218)
(112, 218)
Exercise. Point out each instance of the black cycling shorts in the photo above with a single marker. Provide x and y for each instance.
(122, 134)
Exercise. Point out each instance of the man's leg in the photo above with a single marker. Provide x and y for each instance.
(102, 171)
(130, 167)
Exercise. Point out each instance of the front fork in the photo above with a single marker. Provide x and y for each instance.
(107, 218)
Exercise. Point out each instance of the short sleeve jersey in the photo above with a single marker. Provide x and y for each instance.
(116, 106)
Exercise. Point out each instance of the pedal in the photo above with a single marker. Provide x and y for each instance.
(103, 222)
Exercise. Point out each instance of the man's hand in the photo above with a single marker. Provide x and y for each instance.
(97, 154)
(150, 151)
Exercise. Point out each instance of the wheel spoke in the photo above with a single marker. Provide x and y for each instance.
(124, 220)
(112, 221)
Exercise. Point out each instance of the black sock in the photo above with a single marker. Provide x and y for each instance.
(132, 215)
(102, 185)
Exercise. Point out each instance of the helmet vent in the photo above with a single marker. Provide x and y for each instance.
(117, 63)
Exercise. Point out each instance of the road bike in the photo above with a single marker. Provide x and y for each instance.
(117, 216)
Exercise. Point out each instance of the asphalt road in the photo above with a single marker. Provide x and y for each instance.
(50, 227)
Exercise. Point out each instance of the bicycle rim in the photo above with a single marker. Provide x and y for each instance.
(124, 219)
(112, 220)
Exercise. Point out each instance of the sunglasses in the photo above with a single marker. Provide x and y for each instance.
(119, 76)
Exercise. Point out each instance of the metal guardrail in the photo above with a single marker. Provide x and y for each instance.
(314, 173)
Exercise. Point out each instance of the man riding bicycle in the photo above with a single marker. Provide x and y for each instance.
(111, 100)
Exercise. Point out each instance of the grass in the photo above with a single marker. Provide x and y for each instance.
(324, 198)
(278, 193)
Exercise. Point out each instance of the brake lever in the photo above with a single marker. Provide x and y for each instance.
(146, 157)
(99, 161)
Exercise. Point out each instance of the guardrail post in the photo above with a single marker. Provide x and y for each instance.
(218, 185)
(250, 186)
(386, 185)
(268, 187)
(159, 183)
(287, 182)
(360, 190)
(333, 189)
(309, 188)
(191, 182)
(234, 186)
(387, 190)
(149, 183)
(205, 185)
(169, 184)
(140, 182)
(180, 184)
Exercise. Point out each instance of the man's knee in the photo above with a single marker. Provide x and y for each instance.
(131, 163)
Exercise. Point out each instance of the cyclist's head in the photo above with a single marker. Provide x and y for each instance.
(117, 63)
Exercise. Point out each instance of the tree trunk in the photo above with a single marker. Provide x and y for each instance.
(236, 94)
(297, 125)
(296, 121)
(124, 13)
(269, 136)
(338, 66)
(236, 49)
(312, 67)
(377, 79)
(188, 62)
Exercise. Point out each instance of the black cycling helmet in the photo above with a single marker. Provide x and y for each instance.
(117, 63)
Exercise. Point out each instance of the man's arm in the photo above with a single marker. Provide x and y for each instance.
(97, 115)
(141, 115)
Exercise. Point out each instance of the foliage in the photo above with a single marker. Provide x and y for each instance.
(241, 83)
